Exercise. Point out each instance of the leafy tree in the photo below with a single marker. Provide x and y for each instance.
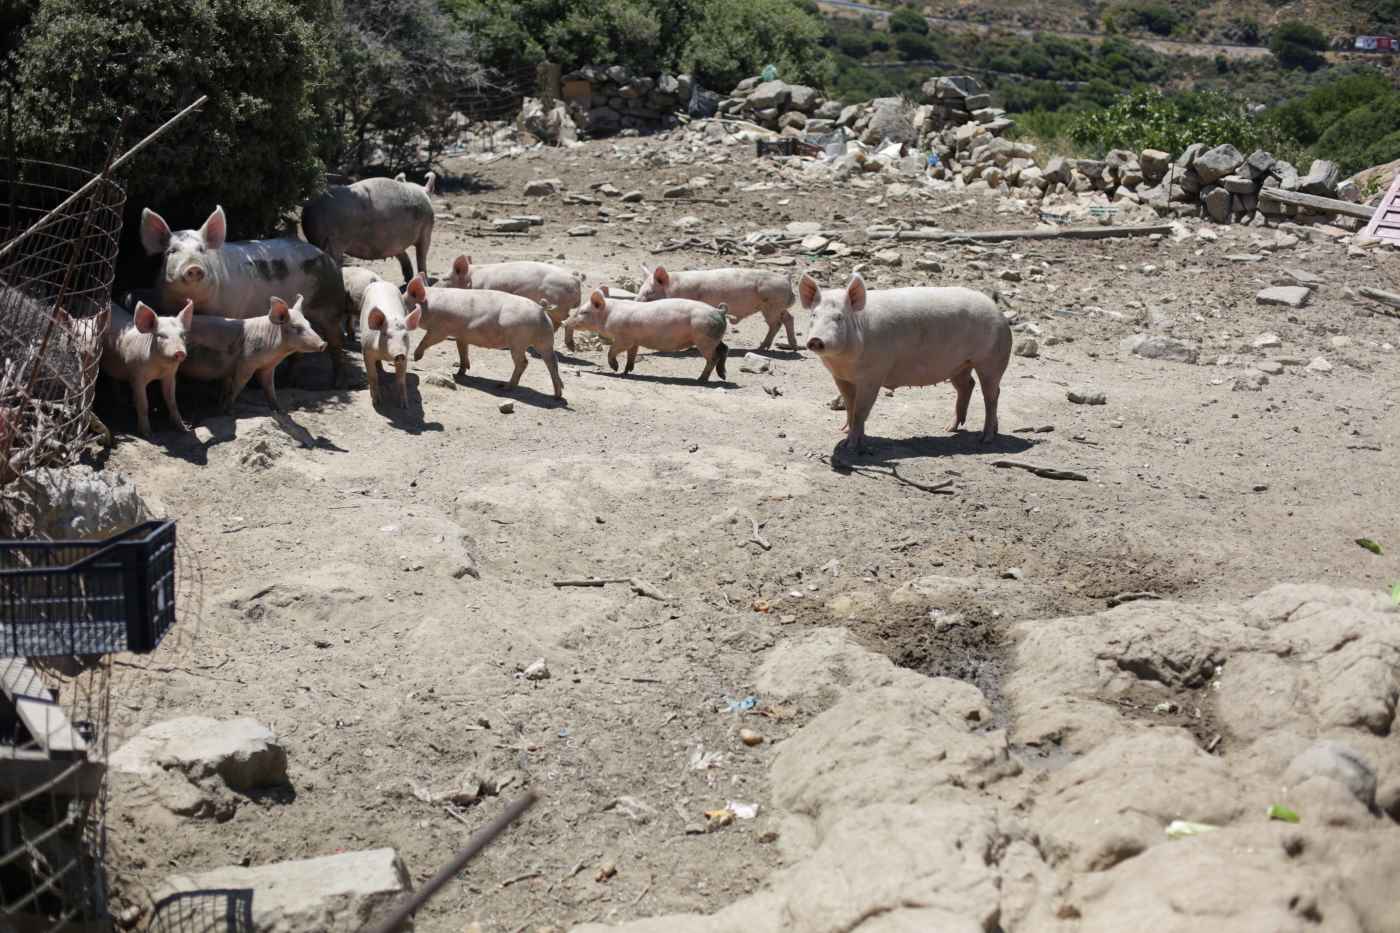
(1149, 119)
(914, 47)
(906, 20)
(732, 39)
(1298, 45)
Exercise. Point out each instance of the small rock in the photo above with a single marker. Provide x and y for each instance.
(1012, 573)
(1298, 277)
(582, 230)
(814, 243)
(633, 197)
(1028, 347)
(608, 190)
(1266, 340)
(1319, 365)
(1161, 347)
(676, 191)
(507, 408)
(688, 222)
(1009, 275)
(924, 264)
(1342, 764)
(1293, 296)
(1271, 367)
(889, 257)
(510, 224)
(1340, 342)
(536, 670)
(605, 871)
(1084, 395)
(750, 738)
(1250, 382)
(441, 381)
(539, 187)
(753, 363)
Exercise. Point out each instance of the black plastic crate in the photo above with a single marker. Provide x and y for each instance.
(88, 597)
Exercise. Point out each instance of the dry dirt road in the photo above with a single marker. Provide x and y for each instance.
(371, 582)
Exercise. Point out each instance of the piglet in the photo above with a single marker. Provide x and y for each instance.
(907, 337)
(384, 328)
(666, 324)
(558, 289)
(356, 279)
(494, 320)
(743, 291)
(142, 347)
(231, 351)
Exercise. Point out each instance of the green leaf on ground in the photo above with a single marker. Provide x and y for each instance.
(1370, 545)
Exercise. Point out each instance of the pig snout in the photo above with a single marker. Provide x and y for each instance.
(178, 356)
(816, 345)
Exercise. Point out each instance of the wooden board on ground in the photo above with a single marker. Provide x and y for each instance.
(1314, 203)
(41, 715)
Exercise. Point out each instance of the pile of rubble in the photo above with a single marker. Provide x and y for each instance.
(606, 100)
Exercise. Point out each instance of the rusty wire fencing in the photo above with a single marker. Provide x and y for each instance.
(56, 271)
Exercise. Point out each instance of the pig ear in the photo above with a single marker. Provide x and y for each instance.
(417, 290)
(461, 264)
(215, 229)
(598, 299)
(430, 182)
(855, 292)
(400, 178)
(605, 291)
(376, 319)
(186, 315)
(415, 317)
(809, 292)
(155, 232)
(296, 305)
(144, 318)
(277, 310)
(663, 278)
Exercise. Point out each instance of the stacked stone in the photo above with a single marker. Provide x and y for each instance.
(791, 109)
(957, 100)
(1224, 185)
(622, 100)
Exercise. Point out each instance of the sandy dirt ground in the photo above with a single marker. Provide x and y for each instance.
(370, 583)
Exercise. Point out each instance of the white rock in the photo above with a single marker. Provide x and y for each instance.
(243, 752)
(1294, 296)
(1266, 340)
(1319, 365)
(340, 893)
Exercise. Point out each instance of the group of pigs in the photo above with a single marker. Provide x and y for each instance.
(225, 314)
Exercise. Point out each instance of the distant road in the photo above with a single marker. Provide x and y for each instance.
(1165, 46)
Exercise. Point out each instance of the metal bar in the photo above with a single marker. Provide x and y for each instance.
(49, 218)
(479, 840)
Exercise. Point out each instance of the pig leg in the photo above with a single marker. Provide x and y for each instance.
(420, 249)
(788, 324)
(138, 400)
(775, 321)
(847, 400)
(405, 266)
(709, 365)
(612, 356)
(631, 358)
(335, 349)
(865, 396)
(267, 378)
(962, 381)
(464, 361)
(991, 391)
(234, 386)
(401, 377)
(569, 339)
(551, 364)
(167, 386)
(429, 340)
(372, 376)
(521, 361)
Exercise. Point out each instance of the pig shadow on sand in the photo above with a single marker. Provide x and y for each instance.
(692, 381)
(888, 451)
(410, 419)
(521, 393)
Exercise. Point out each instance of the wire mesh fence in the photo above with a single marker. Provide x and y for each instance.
(480, 117)
(56, 270)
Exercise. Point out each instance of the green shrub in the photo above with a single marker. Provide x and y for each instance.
(914, 47)
(1161, 18)
(906, 20)
(254, 148)
(1150, 120)
(733, 39)
(852, 43)
(1298, 45)
(1368, 135)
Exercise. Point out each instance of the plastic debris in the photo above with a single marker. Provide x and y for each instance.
(742, 811)
(1180, 829)
(1278, 811)
(701, 760)
(770, 73)
(740, 706)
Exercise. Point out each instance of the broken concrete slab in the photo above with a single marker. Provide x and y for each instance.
(1292, 296)
(342, 893)
(244, 753)
(1160, 347)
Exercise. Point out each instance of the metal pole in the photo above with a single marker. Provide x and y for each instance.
(479, 840)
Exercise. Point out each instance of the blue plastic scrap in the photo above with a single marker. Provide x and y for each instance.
(740, 706)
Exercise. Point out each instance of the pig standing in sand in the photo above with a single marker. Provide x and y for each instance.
(494, 320)
(743, 291)
(907, 337)
(667, 324)
(142, 347)
(232, 351)
(237, 280)
(384, 327)
(373, 219)
(356, 279)
(558, 289)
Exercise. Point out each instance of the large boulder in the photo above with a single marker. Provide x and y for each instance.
(769, 95)
(243, 753)
(76, 502)
(803, 98)
(343, 893)
(1321, 179)
(892, 120)
(1214, 164)
(1154, 164)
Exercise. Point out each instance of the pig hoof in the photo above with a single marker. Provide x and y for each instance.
(612, 364)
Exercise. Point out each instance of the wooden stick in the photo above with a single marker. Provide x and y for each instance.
(1066, 233)
(1375, 294)
(1047, 472)
(757, 538)
(518, 878)
(639, 586)
(594, 581)
(1324, 205)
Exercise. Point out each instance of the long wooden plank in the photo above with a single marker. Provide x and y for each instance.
(45, 719)
(1313, 202)
(1064, 233)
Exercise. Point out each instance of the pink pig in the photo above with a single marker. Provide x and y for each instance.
(142, 347)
